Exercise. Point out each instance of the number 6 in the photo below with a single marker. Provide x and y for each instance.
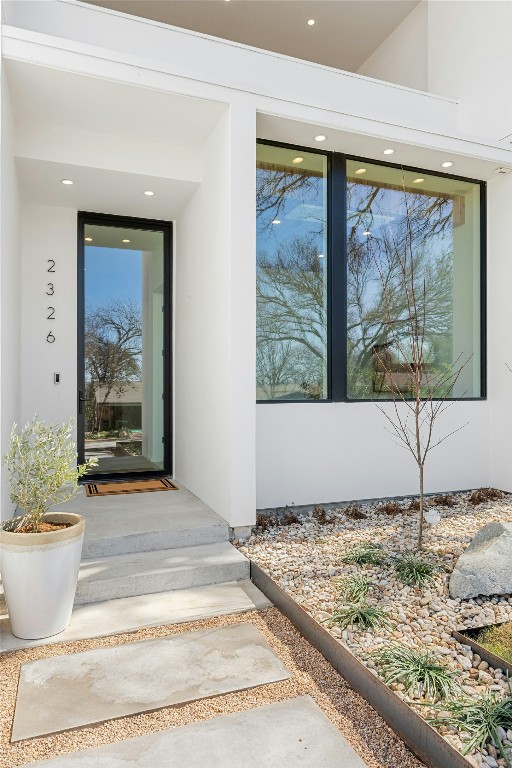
(50, 338)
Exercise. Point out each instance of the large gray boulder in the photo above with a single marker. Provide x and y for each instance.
(485, 568)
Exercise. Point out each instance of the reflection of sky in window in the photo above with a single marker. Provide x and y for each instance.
(388, 212)
(112, 273)
(298, 217)
(386, 216)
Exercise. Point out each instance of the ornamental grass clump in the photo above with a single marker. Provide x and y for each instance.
(364, 554)
(41, 463)
(362, 615)
(480, 718)
(417, 670)
(354, 588)
(414, 571)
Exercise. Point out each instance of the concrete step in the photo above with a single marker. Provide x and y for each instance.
(120, 525)
(125, 542)
(144, 573)
(113, 617)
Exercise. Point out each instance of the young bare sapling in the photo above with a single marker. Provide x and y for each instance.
(403, 365)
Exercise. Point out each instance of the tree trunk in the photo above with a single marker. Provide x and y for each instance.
(420, 530)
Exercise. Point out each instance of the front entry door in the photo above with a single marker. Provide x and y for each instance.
(124, 343)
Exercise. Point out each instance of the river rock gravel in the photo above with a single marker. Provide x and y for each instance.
(310, 674)
(305, 559)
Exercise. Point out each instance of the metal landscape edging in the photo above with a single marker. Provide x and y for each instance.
(419, 736)
(496, 662)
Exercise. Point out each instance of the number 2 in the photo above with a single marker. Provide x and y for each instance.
(51, 310)
(51, 269)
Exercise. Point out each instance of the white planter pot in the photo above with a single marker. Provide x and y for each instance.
(432, 517)
(39, 574)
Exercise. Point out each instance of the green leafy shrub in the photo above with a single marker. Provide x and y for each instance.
(365, 616)
(414, 571)
(354, 588)
(364, 554)
(480, 718)
(41, 467)
(417, 670)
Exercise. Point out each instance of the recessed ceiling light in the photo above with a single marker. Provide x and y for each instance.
(447, 164)
(276, 221)
(149, 193)
(388, 151)
(320, 137)
(88, 239)
(418, 181)
(126, 241)
(298, 160)
(366, 233)
(67, 181)
(311, 22)
(360, 171)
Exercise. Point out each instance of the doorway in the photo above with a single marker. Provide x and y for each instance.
(124, 346)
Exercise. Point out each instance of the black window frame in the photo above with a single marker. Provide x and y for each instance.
(337, 385)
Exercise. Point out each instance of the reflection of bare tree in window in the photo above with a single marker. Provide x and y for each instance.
(291, 284)
(113, 345)
(291, 318)
(276, 184)
(377, 231)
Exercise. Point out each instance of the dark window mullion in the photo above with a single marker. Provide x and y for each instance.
(337, 221)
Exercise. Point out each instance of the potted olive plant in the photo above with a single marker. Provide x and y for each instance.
(40, 549)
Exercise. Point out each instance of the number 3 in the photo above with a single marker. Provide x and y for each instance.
(50, 290)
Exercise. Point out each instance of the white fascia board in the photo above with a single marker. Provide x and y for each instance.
(210, 62)
(53, 52)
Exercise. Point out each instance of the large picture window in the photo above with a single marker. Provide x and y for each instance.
(291, 350)
(333, 318)
(430, 224)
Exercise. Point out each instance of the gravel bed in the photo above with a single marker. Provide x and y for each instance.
(312, 675)
(305, 560)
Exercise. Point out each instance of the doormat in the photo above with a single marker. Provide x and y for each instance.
(130, 486)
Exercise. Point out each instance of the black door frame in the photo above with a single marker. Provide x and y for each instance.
(130, 222)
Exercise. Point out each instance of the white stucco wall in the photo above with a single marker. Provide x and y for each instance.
(202, 317)
(499, 278)
(402, 57)
(214, 326)
(48, 233)
(311, 453)
(10, 290)
(470, 59)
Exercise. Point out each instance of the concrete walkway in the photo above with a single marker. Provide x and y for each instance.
(75, 690)
(289, 733)
(114, 617)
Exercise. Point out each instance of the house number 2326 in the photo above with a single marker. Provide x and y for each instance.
(50, 291)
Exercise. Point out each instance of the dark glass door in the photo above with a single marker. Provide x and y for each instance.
(124, 345)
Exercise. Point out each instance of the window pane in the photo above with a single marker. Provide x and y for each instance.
(430, 224)
(291, 274)
(123, 343)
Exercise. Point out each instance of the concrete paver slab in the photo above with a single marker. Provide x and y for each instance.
(63, 692)
(111, 617)
(289, 733)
